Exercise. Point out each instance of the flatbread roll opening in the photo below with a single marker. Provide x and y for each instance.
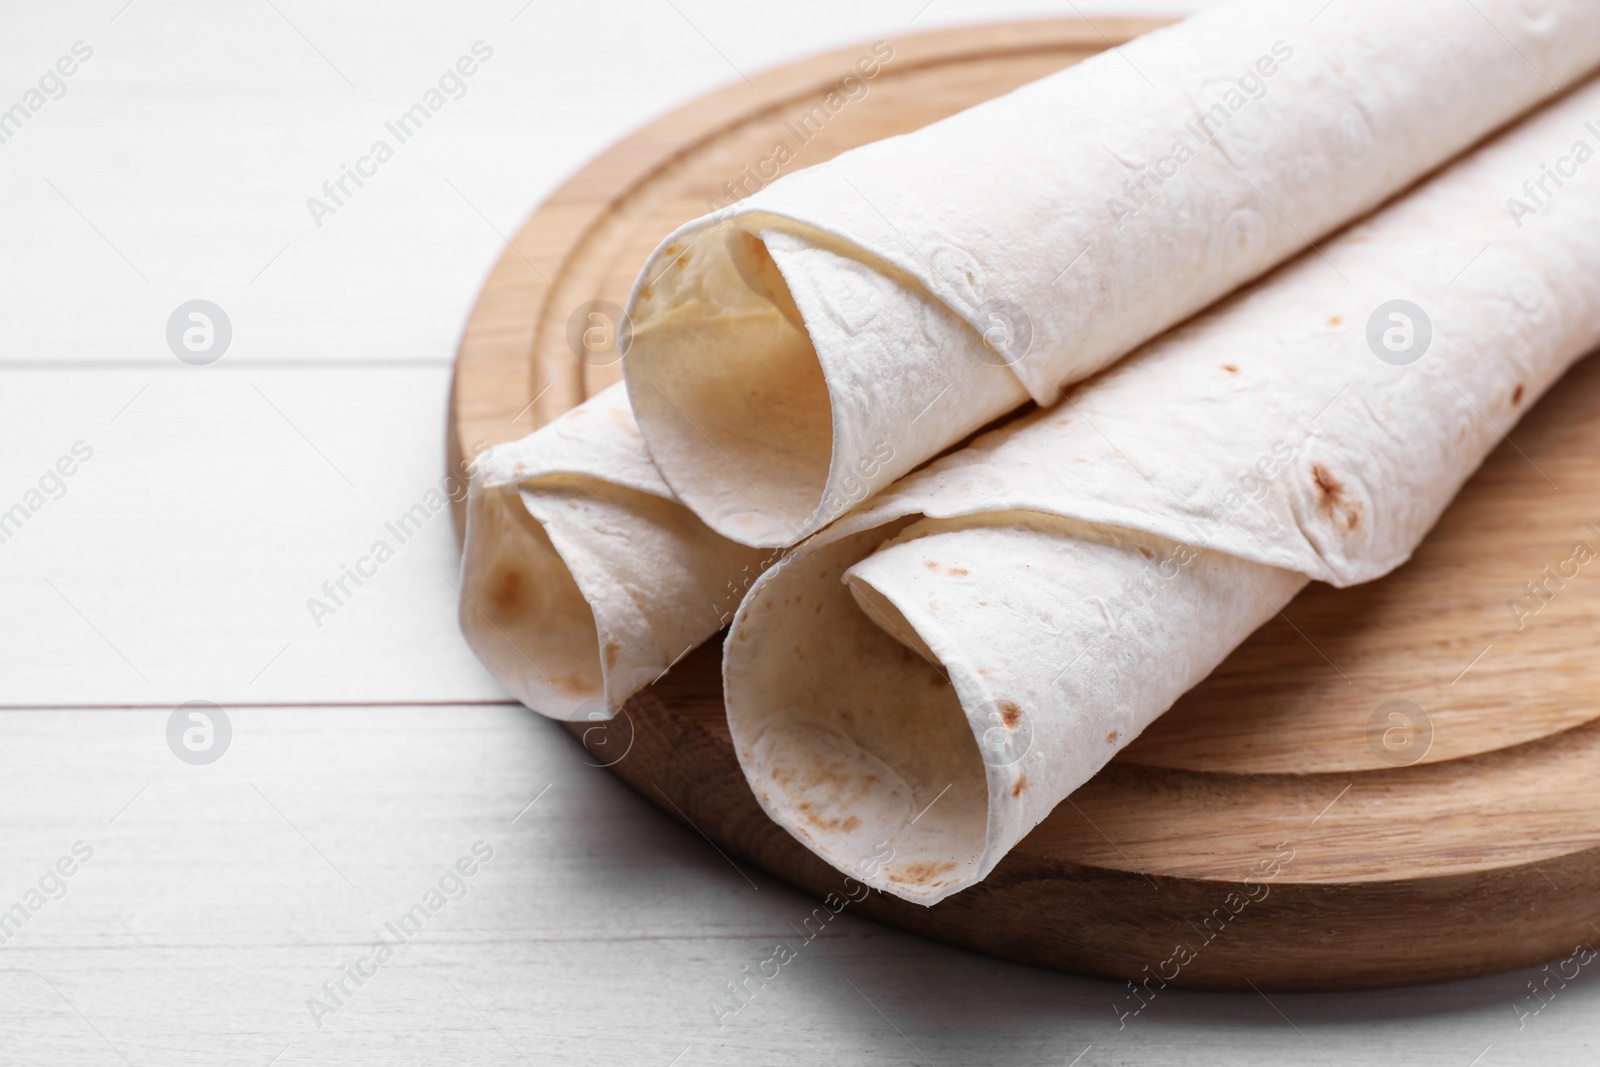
(853, 737)
(727, 387)
(525, 614)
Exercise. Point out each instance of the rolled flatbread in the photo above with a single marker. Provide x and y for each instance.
(939, 670)
(797, 352)
(582, 577)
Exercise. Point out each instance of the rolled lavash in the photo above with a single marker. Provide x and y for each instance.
(796, 352)
(938, 671)
(582, 577)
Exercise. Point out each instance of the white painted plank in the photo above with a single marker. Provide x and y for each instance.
(179, 560)
(216, 904)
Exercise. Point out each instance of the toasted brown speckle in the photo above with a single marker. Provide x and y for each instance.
(569, 683)
(1022, 783)
(612, 648)
(957, 572)
(931, 564)
(1335, 320)
(1330, 497)
(507, 592)
(1231, 368)
(921, 872)
(1010, 714)
(1111, 738)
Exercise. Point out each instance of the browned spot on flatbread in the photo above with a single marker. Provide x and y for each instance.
(957, 572)
(1111, 738)
(931, 564)
(920, 873)
(644, 291)
(1231, 368)
(809, 813)
(1022, 783)
(1516, 394)
(507, 592)
(1010, 714)
(569, 683)
(1335, 320)
(1331, 498)
(612, 648)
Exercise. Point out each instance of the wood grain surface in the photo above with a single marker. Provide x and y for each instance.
(1280, 828)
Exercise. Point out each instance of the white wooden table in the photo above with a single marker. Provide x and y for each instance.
(212, 910)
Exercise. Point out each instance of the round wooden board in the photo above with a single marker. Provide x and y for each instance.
(1277, 828)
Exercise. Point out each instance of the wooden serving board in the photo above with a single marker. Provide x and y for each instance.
(1413, 764)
